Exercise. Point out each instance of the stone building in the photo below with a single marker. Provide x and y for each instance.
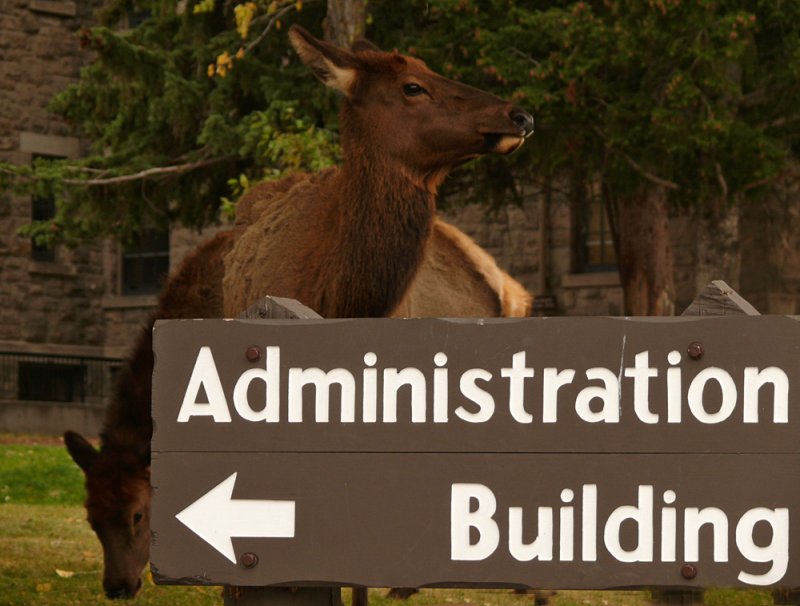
(68, 316)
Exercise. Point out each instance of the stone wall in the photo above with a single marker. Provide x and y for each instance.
(49, 303)
(533, 242)
(125, 315)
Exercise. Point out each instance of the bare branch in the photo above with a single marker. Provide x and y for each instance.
(271, 23)
(782, 175)
(175, 169)
(635, 165)
(647, 174)
(723, 184)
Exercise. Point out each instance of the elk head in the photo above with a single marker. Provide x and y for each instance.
(118, 510)
(396, 108)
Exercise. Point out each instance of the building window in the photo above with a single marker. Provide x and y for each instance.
(145, 263)
(43, 209)
(594, 240)
(45, 382)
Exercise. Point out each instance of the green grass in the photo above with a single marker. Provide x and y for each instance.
(50, 556)
(39, 475)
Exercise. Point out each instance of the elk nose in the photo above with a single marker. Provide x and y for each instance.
(117, 593)
(523, 120)
(124, 590)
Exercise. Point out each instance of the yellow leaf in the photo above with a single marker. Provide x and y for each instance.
(210, 70)
(299, 5)
(64, 574)
(278, 24)
(240, 54)
(224, 59)
(44, 587)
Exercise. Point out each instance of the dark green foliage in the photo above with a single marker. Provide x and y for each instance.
(156, 97)
(702, 96)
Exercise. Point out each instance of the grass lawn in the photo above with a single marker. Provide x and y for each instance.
(50, 556)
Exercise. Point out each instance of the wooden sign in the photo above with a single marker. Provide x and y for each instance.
(563, 453)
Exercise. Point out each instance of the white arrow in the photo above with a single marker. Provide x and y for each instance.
(217, 518)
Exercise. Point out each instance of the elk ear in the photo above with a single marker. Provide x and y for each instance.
(334, 66)
(83, 453)
(362, 44)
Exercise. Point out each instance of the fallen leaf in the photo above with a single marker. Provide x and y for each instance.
(44, 587)
(64, 574)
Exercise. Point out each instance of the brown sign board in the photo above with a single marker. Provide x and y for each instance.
(563, 453)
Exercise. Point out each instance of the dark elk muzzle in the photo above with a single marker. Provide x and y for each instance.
(523, 120)
(123, 589)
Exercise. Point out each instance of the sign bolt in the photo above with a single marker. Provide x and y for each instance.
(253, 353)
(248, 559)
(688, 571)
(695, 350)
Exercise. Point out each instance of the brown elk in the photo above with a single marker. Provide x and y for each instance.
(405, 245)
(456, 277)
(118, 475)
(403, 128)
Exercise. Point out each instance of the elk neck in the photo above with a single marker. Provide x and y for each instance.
(383, 222)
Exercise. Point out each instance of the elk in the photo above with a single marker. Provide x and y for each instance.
(118, 475)
(456, 277)
(436, 271)
(402, 129)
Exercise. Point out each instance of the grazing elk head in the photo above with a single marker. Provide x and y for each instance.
(396, 108)
(118, 510)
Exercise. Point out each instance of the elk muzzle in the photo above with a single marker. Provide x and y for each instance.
(517, 126)
(523, 120)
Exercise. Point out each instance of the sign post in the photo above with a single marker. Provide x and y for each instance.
(550, 453)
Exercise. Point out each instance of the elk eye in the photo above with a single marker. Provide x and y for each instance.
(413, 90)
(137, 517)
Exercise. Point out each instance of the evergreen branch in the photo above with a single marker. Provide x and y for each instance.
(175, 169)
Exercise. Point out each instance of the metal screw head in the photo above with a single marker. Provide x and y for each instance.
(688, 571)
(248, 560)
(253, 353)
(695, 350)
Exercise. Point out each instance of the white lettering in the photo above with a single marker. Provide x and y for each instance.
(642, 373)
(754, 380)
(479, 396)
(608, 393)
(205, 375)
(462, 518)
(393, 380)
(697, 388)
(552, 381)
(642, 516)
(516, 376)
(322, 382)
(777, 552)
(271, 413)
(693, 520)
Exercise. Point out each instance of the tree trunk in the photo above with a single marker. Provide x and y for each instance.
(345, 21)
(718, 255)
(641, 222)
